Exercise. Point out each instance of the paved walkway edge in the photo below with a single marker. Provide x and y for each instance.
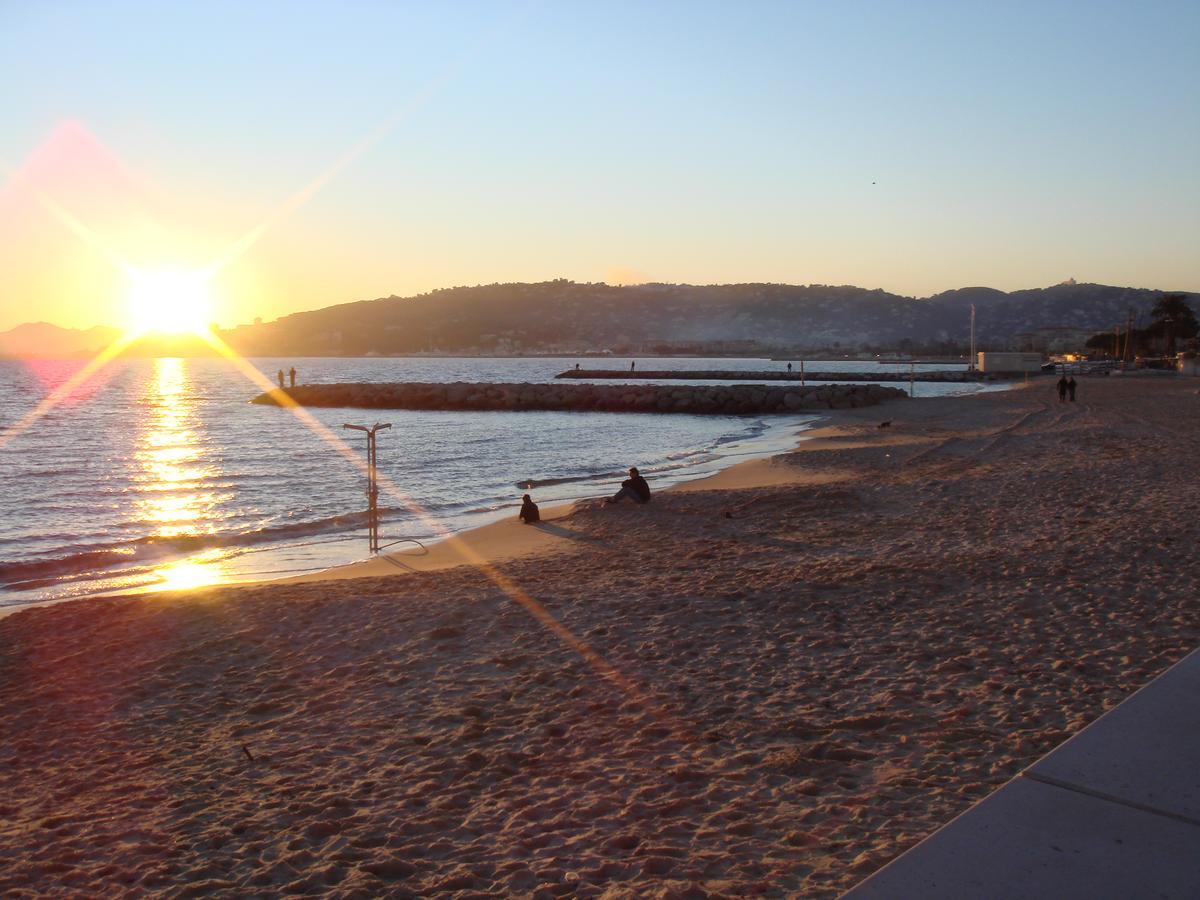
(1112, 812)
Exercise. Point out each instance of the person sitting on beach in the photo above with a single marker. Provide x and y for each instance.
(529, 511)
(1062, 389)
(634, 487)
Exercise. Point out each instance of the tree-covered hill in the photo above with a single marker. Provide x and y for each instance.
(565, 316)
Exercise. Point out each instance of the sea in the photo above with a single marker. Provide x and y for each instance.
(159, 474)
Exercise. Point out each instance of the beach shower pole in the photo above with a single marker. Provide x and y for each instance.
(372, 483)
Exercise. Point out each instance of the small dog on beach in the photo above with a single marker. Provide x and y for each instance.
(887, 424)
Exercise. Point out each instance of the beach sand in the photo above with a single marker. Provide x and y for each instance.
(770, 682)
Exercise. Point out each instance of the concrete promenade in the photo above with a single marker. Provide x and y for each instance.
(1112, 812)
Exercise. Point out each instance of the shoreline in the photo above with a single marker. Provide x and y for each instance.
(734, 689)
(509, 539)
(495, 542)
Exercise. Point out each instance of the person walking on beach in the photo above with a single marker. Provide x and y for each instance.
(1071, 388)
(634, 487)
(292, 375)
(631, 365)
(1062, 389)
(529, 513)
(280, 376)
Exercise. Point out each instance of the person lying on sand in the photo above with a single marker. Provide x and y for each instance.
(634, 487)
(529, 511)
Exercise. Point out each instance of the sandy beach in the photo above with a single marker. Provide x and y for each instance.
(767, 683)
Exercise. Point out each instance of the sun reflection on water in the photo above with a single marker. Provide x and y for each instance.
(190, 573)
(173, 466)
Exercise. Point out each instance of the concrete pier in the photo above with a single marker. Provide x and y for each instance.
(794, 376)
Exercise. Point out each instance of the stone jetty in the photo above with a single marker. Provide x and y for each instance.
(733, 399)
(732, 375)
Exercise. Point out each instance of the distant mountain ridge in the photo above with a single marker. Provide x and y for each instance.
(41, 339)
(565, 316)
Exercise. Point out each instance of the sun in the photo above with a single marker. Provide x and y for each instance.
(169, 301)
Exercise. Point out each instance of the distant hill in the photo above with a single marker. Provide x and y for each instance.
(41, 339)
(569, 317)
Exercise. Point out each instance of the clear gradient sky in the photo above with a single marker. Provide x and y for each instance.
(911, 146)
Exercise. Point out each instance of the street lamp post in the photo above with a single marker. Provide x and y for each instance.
(372, 483)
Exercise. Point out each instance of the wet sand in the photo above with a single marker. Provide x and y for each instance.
(770, 682)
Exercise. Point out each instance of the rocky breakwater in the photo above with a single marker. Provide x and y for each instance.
(736, 399)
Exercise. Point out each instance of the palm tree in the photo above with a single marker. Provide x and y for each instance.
(1174, 317)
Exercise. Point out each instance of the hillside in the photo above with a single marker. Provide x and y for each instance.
(41, 339)
(564, 316)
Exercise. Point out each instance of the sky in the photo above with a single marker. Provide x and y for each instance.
(307, 154)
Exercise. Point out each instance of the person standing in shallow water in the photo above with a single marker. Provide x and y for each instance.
(631, 365)
(280, 376)
(292, 375)
(1071, 388)
(1062, 389)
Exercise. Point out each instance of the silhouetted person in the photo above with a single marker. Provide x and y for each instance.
(634, 487)
(1071, 388)
(292, 375)
(576, 367)
(789, 368)
(631, 365)
(529, 511)
(1062, 388)
(280, 376)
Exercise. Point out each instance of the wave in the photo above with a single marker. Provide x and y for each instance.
(527, 484)
(35, 573)
(156, 548)
(142, 550)
(757, 429)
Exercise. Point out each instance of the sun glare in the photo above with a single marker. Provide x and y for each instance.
(169, 302)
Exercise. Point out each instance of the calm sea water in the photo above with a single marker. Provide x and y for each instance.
(159, 473)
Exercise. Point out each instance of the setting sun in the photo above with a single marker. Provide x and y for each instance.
(169, 302)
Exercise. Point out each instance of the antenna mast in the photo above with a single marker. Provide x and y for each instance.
(971, 362)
